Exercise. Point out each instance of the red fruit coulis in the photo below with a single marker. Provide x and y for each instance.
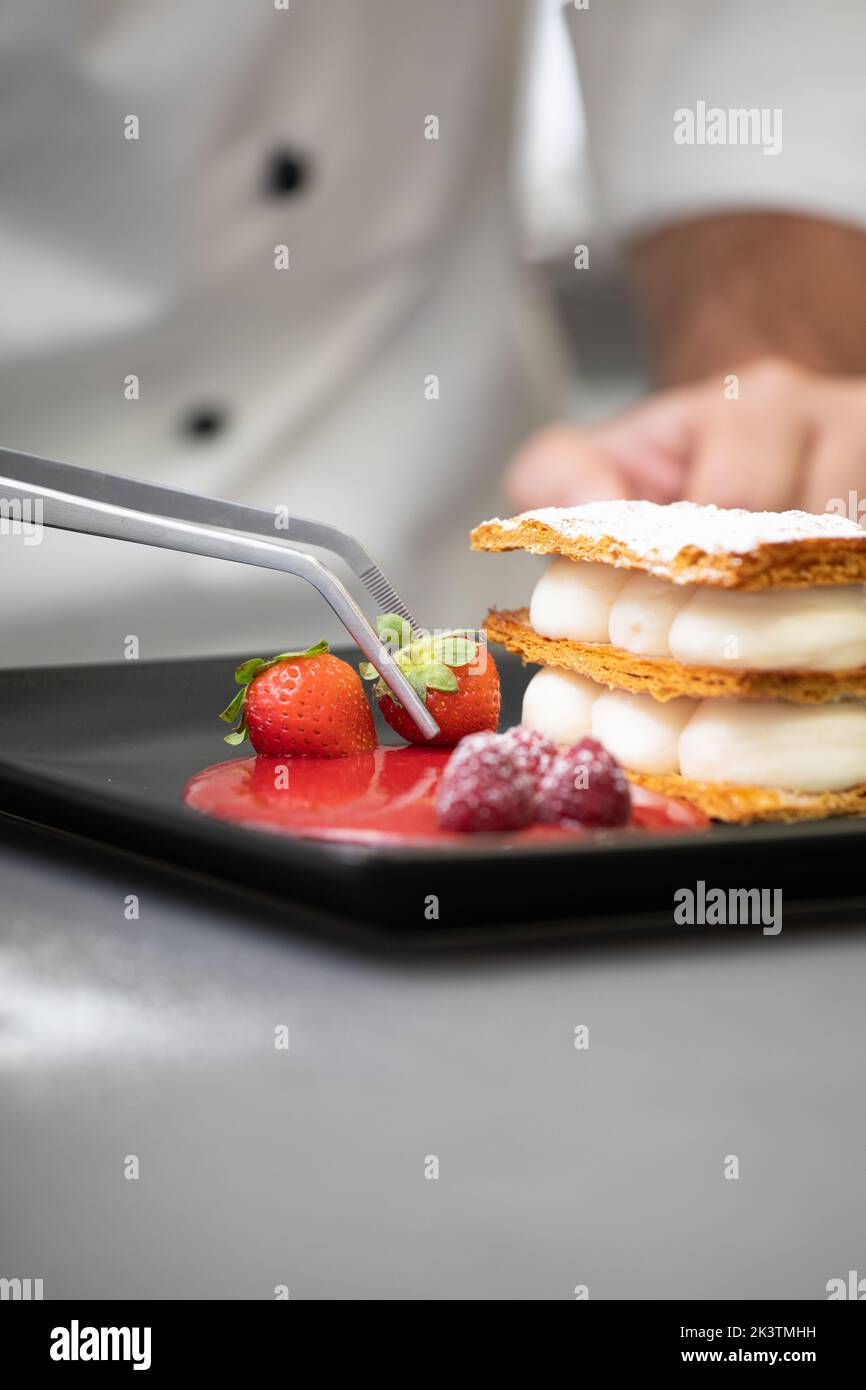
(381, 798)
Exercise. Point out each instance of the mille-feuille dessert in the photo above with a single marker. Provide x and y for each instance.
(719, 655)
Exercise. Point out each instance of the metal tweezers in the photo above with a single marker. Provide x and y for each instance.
(124, 509)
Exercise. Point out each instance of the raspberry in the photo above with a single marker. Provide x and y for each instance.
(484, 787)
(532, 749)
(586, 785)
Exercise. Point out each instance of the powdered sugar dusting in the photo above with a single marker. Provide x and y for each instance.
(655, 533)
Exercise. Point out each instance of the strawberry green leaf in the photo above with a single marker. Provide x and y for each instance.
(394, 631)
(455, 649)
(233, 709)
(438, 676)
(317, 650)
(236, 736)
(247, 672)
(427, 660)
(244, 674)
(418, 683)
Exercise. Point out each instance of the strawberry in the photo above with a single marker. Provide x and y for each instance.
(453, 673)
(310, 704)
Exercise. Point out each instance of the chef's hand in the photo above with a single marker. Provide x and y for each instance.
(783, 296)
(767, 437)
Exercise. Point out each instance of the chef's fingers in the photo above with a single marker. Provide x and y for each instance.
(835, 480)
(562, 466)
(650, 443)
(749, 455)
(653, 475)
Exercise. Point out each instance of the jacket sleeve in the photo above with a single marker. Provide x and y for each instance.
(781, 81)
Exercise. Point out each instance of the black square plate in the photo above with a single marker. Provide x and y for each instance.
(105, 751)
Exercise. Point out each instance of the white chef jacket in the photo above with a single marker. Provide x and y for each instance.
(384, 377)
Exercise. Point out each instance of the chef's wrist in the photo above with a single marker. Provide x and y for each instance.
(725, 290)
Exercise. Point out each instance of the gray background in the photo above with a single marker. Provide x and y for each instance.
(306, 1168)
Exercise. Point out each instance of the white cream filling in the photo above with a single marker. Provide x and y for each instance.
(573, 599)
(641, 733)
(760, 743)
(559, 704)
(765, 743)
(814, 629)
(642, 613)
(810, 629)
